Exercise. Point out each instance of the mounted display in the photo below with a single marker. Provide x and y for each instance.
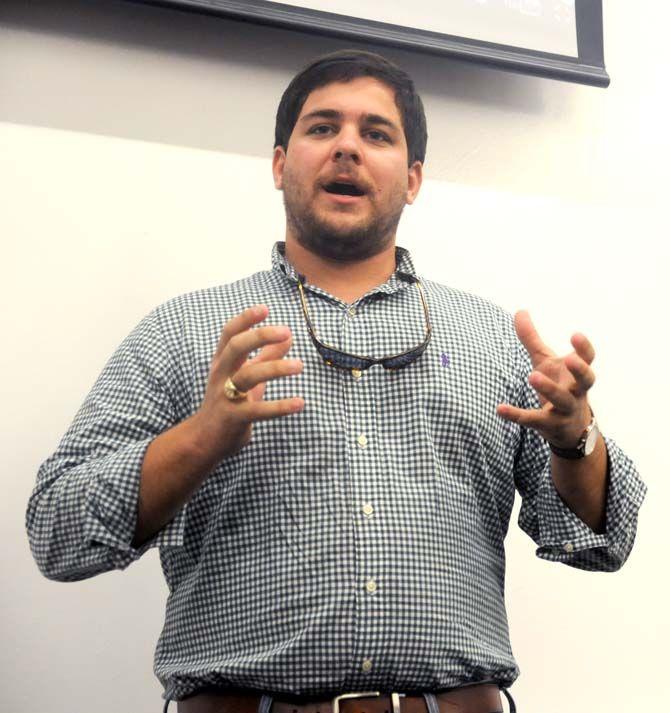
(561, 39)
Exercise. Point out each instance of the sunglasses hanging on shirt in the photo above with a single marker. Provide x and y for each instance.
(354, 362)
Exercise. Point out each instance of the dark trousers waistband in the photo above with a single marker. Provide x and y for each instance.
(479, 698)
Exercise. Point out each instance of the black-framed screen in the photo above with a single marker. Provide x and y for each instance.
(560, 39)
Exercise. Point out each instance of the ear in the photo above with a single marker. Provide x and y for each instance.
(278, 161)
(414, 180)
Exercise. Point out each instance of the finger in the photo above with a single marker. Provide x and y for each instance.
(530, 338)
(558, 396)
(265, 410)
(240, 323)
(273, 351)
(583, 347)
(582, 373)
(268, 353)
(237, 351)
(524, 417)
(254, 373)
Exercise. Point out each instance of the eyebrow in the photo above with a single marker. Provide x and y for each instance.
(334, 114)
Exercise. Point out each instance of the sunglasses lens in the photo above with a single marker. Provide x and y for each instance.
(344, 361)
(404, 359)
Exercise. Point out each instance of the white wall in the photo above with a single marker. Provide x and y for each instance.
(134, 157)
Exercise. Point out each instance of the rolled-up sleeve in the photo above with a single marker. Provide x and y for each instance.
(82, 513)
(561, 535)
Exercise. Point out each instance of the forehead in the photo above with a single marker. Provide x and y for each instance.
(363, 95)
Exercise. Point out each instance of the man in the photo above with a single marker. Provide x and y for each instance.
(335, 540)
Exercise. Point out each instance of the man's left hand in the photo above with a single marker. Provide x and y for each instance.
(561, 384)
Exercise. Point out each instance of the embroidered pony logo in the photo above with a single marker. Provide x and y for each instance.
(445, 359)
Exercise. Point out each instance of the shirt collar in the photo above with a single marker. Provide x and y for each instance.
(404, 273)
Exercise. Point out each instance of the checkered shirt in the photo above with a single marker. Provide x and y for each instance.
(356, 545)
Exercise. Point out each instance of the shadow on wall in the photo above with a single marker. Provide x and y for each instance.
(154, 74)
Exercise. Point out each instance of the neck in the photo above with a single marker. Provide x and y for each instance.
(345, 280)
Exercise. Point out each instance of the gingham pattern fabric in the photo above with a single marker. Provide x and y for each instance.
(357, 545)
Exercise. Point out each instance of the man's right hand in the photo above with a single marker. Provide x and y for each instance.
(223, 426)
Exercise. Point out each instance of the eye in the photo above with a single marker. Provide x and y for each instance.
(320, 129)
(376, 135)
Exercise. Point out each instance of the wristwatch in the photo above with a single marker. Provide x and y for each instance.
(586, 443)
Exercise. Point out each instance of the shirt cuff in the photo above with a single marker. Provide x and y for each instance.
(564, 537)
(111, 508)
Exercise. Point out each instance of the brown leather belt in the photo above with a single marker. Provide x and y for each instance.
(479, 698)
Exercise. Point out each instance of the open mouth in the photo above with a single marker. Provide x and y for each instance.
(339, 188)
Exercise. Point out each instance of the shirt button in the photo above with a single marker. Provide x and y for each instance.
(362, 440)
(367, 665)
(356, 373)
(568, 547)
(371, 586)
(351, 311)
(368, 509)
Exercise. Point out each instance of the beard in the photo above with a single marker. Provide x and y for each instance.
(340, 243)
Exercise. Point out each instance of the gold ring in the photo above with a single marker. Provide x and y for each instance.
(232, 392)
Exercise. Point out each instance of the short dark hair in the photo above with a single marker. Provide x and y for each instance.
(343, 66)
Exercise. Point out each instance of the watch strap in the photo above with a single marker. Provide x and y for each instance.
(579, 451)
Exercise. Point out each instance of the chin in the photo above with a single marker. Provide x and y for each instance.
(344, 245)
(343, 237)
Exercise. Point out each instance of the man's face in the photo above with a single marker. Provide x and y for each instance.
(344, 175)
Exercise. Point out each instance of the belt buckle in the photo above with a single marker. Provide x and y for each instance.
(395, 699)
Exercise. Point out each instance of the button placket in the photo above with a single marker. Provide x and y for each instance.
(360, 398)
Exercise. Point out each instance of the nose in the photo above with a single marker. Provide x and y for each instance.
(346, 147)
